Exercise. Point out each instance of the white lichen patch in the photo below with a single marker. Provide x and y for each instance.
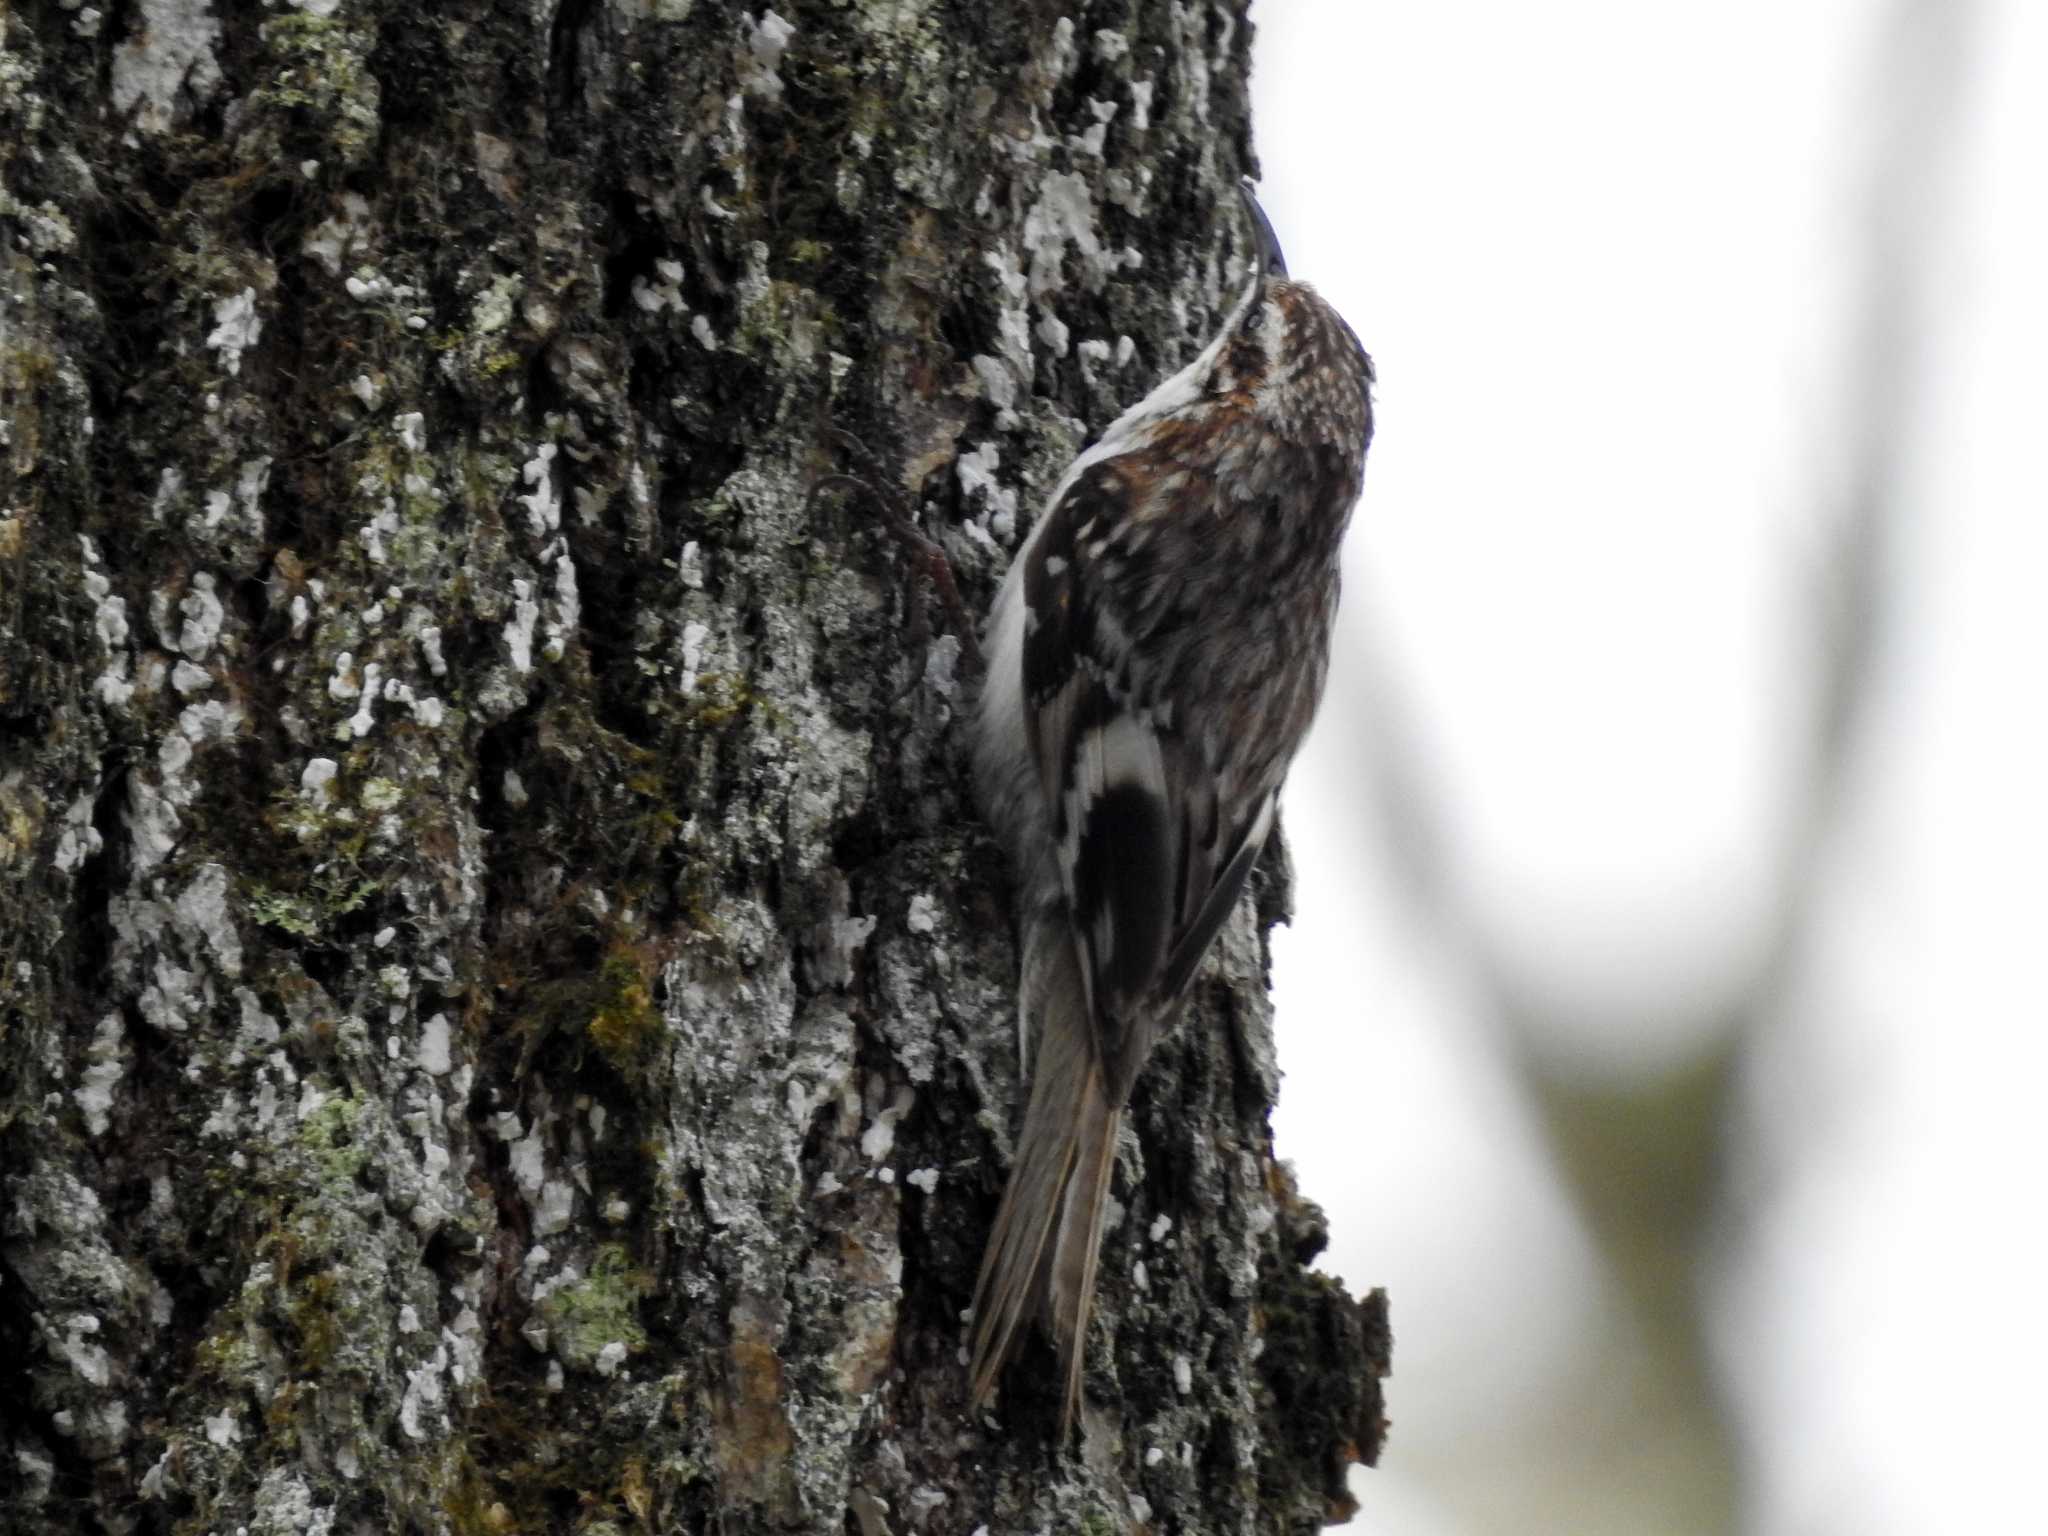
(110, 627)
(767, 39)
(519, 628)
(343, 238)
(543, 503)
(690, 566)
(879, 1139)
(1141, 105)
(568, 611)
(1013, 323)
(258, 1030)
(1093, 354)
(1110, 45)
(381, 526)
(1091, 140)
(924, 914)
(168, 52)
(998, 383)
(224, 1122)
(663, 291)
(1063, 216)
(203, 724)
(316, 780)
(284, 1502)
(696, 640)
(202, 617)
(153, 823)
(237, 327)
(978, 473)
(203, 910)
(267, 1100)
(424, 1396)
(435, 1039)
(429, 638)
(555, 1208)
(104, 1065)
(1060, 56)
(496, 305)
(79, 839)
(529, 1162)
(849, 936)
(45, 229)
(941, 664)
(426, 709)
(364, 720)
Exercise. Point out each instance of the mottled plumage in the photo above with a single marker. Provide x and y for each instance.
(1156, 655)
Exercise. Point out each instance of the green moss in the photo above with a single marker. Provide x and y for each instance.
(718, 699)
(625, 1021)
(787, 316)
(321, 98)
(316, 1320)
(381, 794)
(225, 1355)
(472, 1507)
(602, 1308)
(309, 912)
(329, 1135)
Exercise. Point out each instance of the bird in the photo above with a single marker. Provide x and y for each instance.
(1155, 656)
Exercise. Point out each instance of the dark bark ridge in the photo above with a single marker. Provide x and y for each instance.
(505, 1013)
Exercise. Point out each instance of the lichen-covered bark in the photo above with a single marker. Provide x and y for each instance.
(506, 1014)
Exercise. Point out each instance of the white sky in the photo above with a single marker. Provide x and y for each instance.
(1603, 255)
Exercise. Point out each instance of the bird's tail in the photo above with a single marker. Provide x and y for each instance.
(1042, 1250)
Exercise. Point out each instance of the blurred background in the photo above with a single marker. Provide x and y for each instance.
(1665, 1017)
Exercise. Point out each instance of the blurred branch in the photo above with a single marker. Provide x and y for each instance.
(1644, 1158)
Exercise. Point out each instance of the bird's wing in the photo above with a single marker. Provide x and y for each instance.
(1151, 855)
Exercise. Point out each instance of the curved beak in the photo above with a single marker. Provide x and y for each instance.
(1265, 244)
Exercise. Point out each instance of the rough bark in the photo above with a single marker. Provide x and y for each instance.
(507, 1009)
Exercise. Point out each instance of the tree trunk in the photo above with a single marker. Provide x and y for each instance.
(508, 1014)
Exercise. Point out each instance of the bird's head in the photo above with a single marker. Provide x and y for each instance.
(1287, 349)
